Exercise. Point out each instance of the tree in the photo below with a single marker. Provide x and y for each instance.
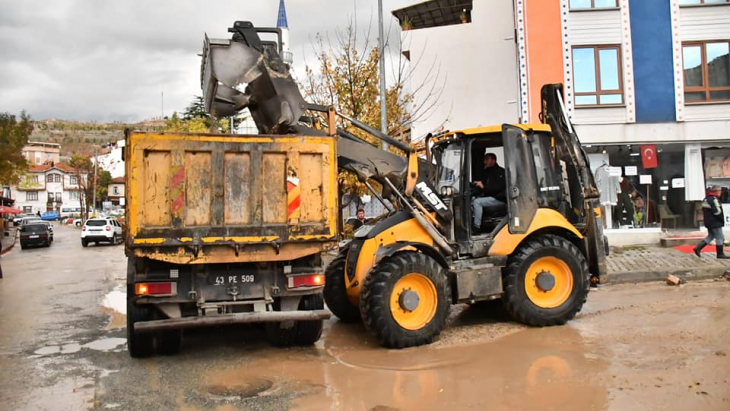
(104, 178)
(347, 77)
(196, 109)
(13, 136)
(195, 119)
(82, 168)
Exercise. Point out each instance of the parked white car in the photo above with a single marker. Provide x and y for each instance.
(96, 230)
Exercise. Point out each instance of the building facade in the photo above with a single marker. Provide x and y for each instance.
(647, 84)
(115, 191)
(47, 187)
(38, 153)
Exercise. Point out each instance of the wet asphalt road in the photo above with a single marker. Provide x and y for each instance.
(634, 347)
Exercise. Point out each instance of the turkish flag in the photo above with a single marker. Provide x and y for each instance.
(648, 156)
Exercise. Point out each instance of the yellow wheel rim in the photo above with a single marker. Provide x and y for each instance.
(548, 282)
(408, 311)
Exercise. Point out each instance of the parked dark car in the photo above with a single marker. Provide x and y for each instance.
(35, 235)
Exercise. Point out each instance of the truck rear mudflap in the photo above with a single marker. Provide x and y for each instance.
(227, 319)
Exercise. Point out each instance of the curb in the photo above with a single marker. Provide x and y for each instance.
(649, 276)
(15, 239)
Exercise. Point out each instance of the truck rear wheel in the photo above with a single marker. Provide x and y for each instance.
(335, 292)
(139, 345)
(546, 282)
(302, 332)
(406, 300)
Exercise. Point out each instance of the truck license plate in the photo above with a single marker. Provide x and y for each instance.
(33, 236)
(231, 279)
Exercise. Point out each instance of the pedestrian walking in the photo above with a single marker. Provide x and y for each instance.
(714, 221)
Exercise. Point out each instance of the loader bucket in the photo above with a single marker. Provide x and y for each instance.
(245, 72)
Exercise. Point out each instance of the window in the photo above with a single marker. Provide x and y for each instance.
(706, 71)
(59, 197)
(58, 178)
(74, 195)
(597, 75)
(115, 190)
(593, 4)
(74, 181)
(31, 196)
(693, 2)
(32, 179)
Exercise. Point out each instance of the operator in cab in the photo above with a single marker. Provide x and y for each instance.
(492, 186)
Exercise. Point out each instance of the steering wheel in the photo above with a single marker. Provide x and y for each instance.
(475, 189)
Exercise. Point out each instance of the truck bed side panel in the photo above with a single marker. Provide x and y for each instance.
(196, 190)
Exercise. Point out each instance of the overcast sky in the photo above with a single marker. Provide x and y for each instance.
(102, 60)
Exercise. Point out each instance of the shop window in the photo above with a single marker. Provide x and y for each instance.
(706, 71)
(700, 2)
(593, 4)
(597, 76)
(31, 196)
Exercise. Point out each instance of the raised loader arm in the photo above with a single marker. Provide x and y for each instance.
(244, 72)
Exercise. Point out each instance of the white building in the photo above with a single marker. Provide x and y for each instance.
(46, 187)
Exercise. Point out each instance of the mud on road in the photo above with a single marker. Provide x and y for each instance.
(633, 347)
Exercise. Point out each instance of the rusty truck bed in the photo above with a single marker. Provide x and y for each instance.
(212, 198)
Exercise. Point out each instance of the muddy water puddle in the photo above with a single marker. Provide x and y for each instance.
(537, 368)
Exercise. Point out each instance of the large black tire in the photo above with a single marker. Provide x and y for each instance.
(169, 342)
(516, 299)
(113, 241)
(302, 332)
(335, 292)
(377, 292)
(139, 345)
(309, 332)
(84, 243)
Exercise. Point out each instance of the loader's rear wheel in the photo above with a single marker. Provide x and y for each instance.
(405, 300)
(546, 282)
(335, 291)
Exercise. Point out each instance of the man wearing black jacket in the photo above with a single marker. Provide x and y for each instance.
(492, 184)
(714, 221)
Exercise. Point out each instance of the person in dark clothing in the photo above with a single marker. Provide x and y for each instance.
(360, 219)
(714, 221)
(492, 183)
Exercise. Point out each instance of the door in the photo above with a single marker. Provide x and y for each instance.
(521, 184)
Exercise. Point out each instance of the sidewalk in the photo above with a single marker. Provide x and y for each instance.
(8, 242)
(651, 263)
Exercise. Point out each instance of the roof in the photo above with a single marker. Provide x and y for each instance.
(492, 129)
(118, 180)
(433, 13)
(47, 167)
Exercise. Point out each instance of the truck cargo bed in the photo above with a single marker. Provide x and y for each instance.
(200, 198)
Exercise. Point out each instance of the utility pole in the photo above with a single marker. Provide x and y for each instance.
(381, 52)
(96, 160)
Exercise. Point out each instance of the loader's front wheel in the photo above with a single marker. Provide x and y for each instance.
(546, 281)
(405, 300)
(335, 291)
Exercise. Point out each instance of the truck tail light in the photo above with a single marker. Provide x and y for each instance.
(308, 280)
(154, 288)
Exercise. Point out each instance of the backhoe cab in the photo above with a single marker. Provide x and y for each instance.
(538, 252)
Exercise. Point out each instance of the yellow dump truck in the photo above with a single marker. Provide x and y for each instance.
(227, 229)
